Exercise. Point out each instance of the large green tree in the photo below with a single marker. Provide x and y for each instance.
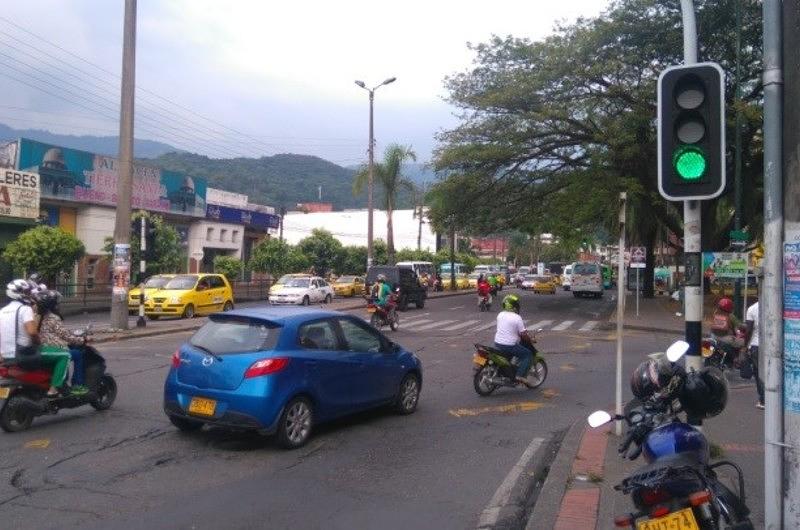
(551, 131)
(46, 250)
(168, 255)
(389, 176)
(321, 249)
(277, 258)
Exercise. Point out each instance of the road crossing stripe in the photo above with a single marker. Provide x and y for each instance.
(420, 318)
(462, 325)
(540, 324)
(564, 325)
(589, 326)
(432, 325)
(486, 326)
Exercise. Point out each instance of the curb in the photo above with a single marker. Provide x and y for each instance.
(132, 334)
(546, 509)
(506, 509)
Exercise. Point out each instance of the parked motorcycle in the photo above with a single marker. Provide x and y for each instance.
(494, 369)
(678, 487)
(23, 390)
(384, 316)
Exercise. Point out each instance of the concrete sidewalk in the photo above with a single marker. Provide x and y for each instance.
(587, 467)
(655, 314)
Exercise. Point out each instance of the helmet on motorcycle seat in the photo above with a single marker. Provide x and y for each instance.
(650, 377)
(725, 304)
(705, 393)
(511, 303)
(19, 290)
(47, 300)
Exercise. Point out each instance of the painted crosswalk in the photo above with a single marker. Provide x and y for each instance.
(563, 326)
(427, 322)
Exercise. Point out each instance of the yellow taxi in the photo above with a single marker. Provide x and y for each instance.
(348, 286)
(462, 282)
(473, 279)
(153, 284)
(187, 295)
(278, 285)
(544, 284)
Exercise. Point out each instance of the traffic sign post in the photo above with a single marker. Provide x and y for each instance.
(638, 261)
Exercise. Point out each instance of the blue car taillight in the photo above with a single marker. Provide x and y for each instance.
(266, 367)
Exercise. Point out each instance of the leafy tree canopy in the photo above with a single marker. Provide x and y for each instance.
(45, 250)
(321, 249)
(168, 255)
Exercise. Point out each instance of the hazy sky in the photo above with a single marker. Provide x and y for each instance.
(273, 76)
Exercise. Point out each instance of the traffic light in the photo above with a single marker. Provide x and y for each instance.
(691, 132)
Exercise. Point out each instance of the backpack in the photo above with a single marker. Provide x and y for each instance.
(721, 324)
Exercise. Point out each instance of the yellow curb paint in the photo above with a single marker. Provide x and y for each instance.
(569, 367)
(38, 444)
(550, 393)
(524, 406)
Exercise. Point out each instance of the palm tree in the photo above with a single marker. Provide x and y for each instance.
(388, 174)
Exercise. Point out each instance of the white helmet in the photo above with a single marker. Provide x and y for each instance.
(19, 290)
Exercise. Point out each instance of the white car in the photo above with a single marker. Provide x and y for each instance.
(566, 278)
(528, 281)
(303, 291)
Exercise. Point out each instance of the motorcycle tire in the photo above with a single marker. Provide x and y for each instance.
(537, 374)
(15, 417)
(106, 393)
(375, 321)
(394, 322)
(483, 387)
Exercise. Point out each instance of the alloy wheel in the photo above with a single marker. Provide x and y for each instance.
(298, 422)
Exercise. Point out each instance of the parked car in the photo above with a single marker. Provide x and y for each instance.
(284, 371)
(303, 291)
(411, 290)
(349, 286)
(566, 278)
(543, 284)
(462, 282)
(187, 295)
(587, 280)
(151, 285)
(280, 282)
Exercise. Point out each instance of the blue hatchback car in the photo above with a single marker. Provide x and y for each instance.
(281, 370)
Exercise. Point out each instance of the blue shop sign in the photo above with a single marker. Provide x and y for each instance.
(226, 214)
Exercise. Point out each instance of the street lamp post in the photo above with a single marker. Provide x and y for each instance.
(371, 167)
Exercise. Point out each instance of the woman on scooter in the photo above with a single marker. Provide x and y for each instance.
(56, 339)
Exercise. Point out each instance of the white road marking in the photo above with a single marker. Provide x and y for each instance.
(491, 324)
(432, 325)
(589, 326)
(461, 325)
(540, 324)
(564, 325)
(457, 307)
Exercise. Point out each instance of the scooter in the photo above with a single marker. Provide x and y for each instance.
(485, 304)
(494, 369)
(384, 316)
(23, 389)
(678, 487)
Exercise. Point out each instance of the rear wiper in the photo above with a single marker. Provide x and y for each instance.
(206, 350)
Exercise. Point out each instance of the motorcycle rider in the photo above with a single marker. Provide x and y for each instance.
(56, 339)
(19, 332)
(724, 326)
(484, 290)
(511, 336)
(381, 291)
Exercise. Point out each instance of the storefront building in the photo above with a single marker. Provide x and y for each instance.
(19, 203)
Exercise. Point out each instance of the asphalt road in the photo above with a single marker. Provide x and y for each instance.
(438, 468)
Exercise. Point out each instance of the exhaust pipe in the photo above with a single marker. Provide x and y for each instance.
(36, 407)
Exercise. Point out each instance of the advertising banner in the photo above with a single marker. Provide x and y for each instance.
(19, 194)
(74, 175)
(258, 220)
(791, 321)
(724, 265)
(8, 154)
(226, 198)
(121, 269)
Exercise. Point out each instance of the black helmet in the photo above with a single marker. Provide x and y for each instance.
(48, 300)
(705, 393)
(649, 377)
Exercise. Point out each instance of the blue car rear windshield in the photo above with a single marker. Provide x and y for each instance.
(225, 336)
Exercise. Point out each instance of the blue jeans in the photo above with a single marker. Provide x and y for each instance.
(524, 355)
(78, 377)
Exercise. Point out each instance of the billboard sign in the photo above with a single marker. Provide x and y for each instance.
(73, 175)
(8, 155)
(725, 265)
(638, 257)
(19, 194)
(226, 198)
(258, 220)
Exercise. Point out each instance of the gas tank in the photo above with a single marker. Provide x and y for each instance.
(675, 439)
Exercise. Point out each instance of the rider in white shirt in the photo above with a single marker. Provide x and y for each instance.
(511, 335)
(18, 327)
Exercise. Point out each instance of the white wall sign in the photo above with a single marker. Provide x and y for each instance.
(19, 194)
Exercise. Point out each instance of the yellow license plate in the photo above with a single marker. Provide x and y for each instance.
(706, 352)
(479, 359)
(202, 406)
(682, 520)
(371, 309)
(4, 392)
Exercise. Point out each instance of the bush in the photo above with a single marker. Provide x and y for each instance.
(45, 250)
(229, 266)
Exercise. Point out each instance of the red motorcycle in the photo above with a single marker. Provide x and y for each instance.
(386, 315)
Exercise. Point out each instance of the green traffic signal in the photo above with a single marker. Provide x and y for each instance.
(690, 163)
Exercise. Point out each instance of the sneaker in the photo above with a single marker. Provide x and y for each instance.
(79, 390)
(760, 406)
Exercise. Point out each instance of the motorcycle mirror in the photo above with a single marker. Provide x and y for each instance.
(677, 350)
(598, 418)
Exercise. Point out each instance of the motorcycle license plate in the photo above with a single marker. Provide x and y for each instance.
(371, 309)
(479, 359)
(681, 520)
(4, 392)
(706, 352)
(202, 406)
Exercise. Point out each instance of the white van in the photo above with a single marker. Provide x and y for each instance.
(422, 268)
(566, 277)
(587, 279)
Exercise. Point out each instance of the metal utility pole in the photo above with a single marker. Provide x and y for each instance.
(371, 166)
(452, 255)
(122, 226)
(693, 285)
(280, 229)
(141, 322)
(737, 163)
(623, 200)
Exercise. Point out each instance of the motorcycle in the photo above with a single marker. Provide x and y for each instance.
(494, 369)
(484, 304)
(23, 390)
(384, 316)
(718, 353)
(678, 487)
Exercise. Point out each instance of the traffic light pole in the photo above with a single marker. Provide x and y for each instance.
(141, 322)
(693, 276)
